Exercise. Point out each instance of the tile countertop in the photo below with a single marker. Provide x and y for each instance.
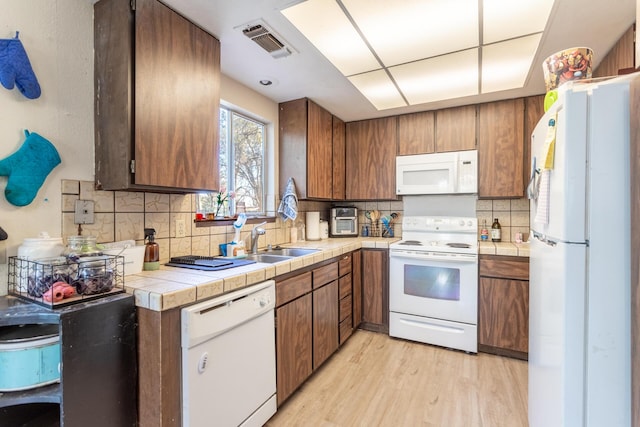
(172, 287)
(504, 248)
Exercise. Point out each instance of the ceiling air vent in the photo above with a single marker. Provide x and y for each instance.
(267, 39)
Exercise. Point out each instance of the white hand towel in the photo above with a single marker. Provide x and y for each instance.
(542, 210)
(288, 208)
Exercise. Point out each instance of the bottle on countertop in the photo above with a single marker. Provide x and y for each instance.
(151, 251)
(484, 232)
(496, 231)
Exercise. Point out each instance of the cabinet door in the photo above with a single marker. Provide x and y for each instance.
(533, 110)
(456, 129)
(338, 159)
(504, 314)
(375, 291)
(501, 149)
(416, 133)
(371, 159)
(325, 322)
(177, 92)
(319, 153)
(356, 274)
(294, 361)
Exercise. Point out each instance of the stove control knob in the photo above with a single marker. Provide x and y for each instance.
(469, 223)
(461, 222)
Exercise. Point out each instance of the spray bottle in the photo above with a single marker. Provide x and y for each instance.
(151, 251)
(237, 246)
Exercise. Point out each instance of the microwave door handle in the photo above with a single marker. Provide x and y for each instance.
(435, 257)
(454, 178)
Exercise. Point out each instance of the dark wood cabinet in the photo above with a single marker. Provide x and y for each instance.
(98, 369)
(456, 129)
(503, 308)
(356, 271)
(371, 159)
(325, 322)
(339, 185)
(294, 326)
(501, 149)
(345, 297)
(157, 84)
(416, 133)
(306, 148)
(375, 290)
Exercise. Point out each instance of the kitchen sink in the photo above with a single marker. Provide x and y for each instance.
(269, 259)
(289, 252)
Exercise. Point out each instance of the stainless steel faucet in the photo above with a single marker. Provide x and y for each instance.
(256, 231)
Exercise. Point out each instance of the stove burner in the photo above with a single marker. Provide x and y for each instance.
(411, 243)
(459, 245)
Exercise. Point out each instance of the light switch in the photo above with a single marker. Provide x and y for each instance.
(84, 212)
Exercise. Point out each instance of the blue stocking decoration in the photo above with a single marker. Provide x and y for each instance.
(15, 68)
(27, 168)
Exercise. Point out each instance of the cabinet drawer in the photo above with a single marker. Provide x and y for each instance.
(345, 308)
(345, 286)
(292, 288)
(344, 266)
(324, 275)
(505, 267)
(345, 329)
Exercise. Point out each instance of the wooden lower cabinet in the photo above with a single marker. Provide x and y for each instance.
(503, 308)
(325, 322)
(294, 362)
(356, 287)
(375, 290)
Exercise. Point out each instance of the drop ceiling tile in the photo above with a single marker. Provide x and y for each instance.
(410, 30)
(506, 19)
(325, 25)
(506, 65)
(378, 88)
(444, 77)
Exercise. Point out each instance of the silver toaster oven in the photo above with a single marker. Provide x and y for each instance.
(344, 222)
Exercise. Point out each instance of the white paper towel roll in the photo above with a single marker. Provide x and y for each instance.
(313, 225)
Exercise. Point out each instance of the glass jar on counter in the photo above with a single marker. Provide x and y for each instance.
(81, 246)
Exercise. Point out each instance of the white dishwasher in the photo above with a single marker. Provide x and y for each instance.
(229, 359)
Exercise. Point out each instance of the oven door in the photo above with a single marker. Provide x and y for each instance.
(439, 286)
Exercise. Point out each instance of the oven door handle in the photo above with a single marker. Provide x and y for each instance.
(434, 257)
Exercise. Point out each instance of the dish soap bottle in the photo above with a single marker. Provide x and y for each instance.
(151, 251)
(484, 233)
(495, 231)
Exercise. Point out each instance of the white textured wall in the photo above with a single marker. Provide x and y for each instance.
(58, 37)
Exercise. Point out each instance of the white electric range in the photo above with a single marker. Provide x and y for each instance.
(433, 282)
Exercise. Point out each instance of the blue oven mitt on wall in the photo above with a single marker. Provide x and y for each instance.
(15, 68)
(27, 168)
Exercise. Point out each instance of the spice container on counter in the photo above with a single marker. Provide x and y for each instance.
(81, 246)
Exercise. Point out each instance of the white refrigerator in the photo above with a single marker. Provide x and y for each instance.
(579, 288)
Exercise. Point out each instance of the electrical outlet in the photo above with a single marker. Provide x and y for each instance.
(180, 228)
(84, 212)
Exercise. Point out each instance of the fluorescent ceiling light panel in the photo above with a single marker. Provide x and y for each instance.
(444, 77)
(410, 30)
(378, 88)
(326, 26)
(506, 19)
(505, 65)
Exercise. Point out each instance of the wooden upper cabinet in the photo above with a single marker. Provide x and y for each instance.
(338, 159)
(533, 112)
(416, 133)
(501, 149)
(306, 149)
(371, 159)
(158, 128)
(455, 129)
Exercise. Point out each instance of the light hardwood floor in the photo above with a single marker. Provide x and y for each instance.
(375, 380)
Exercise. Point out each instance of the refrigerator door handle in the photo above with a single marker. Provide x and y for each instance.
(551, 241)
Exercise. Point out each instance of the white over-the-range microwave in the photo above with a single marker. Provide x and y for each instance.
(454, 172)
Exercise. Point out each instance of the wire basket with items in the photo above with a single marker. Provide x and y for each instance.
(61, 281)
